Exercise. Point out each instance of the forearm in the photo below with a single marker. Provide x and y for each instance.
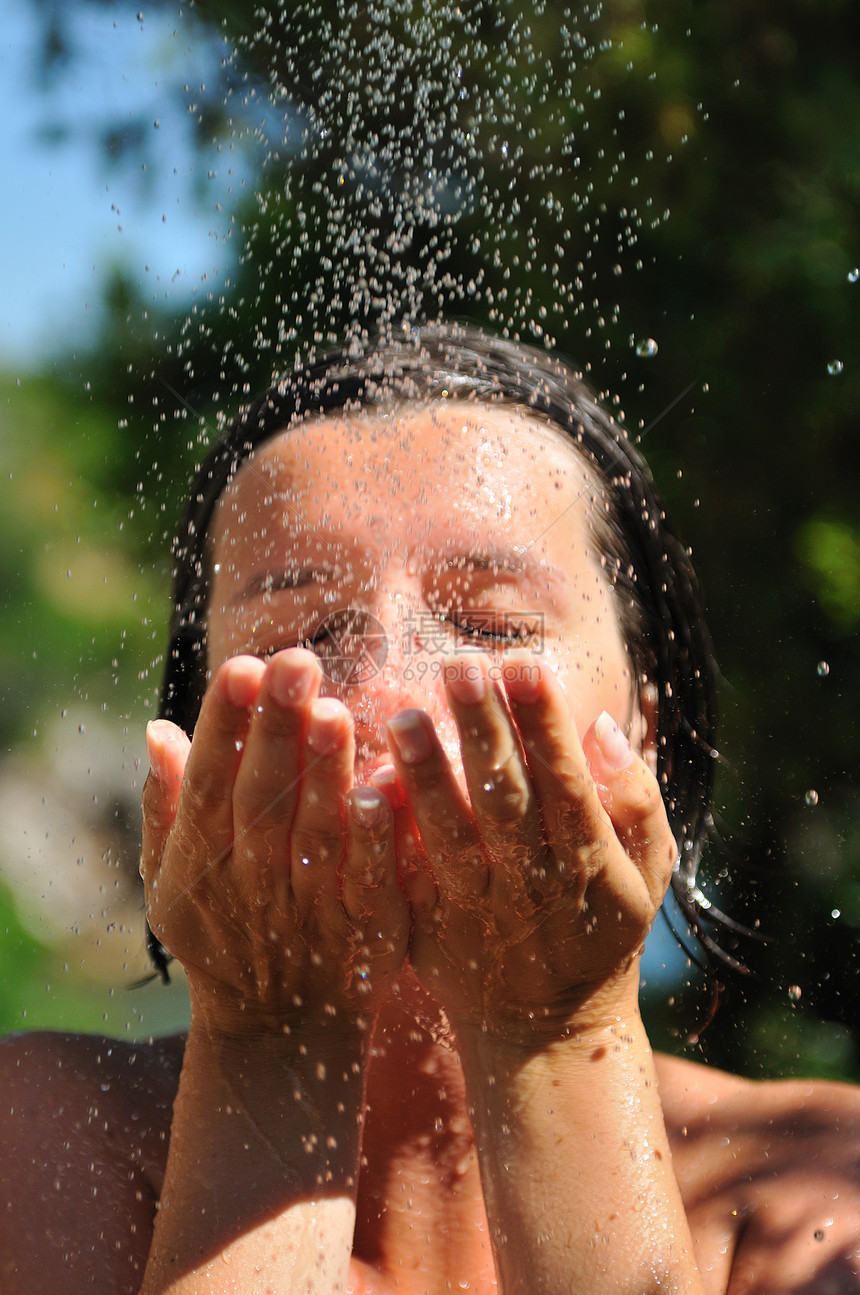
(575, 1164)
(259, 1193)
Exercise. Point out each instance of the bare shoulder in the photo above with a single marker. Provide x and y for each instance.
(770, 1174)
(84, 1128)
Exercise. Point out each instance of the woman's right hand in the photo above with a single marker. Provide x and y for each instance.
(268, 876)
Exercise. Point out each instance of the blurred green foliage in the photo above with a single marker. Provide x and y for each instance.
(744, 123)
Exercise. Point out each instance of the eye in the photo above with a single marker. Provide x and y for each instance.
(497, 627)
(320, 639)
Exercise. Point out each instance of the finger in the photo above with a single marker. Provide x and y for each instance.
(415, 873)
(574, 819)
(444, 819)
(371, 895)
(631, 796)
(267, 783)
(318, 836)
(206, 800)
(493, 762)
(167, 747)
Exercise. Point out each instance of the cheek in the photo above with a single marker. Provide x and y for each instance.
(226, 635)
(596, 676)
(220, 646)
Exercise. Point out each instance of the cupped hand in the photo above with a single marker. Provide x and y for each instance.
(531, 896)
(267, 874)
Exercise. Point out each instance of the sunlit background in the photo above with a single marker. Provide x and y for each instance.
(194, 195)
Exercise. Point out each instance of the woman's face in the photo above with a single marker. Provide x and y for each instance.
(407, 534)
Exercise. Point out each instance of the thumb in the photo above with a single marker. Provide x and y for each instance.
(167, 747)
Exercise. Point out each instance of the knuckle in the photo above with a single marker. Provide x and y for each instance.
(642, 797)
(504, 794)
(276, 722)
(317, 843)
(204, 794)
(265, 804)
(508, 808)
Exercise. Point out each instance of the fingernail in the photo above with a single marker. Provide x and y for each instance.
(325, 725)
(465, 679)
(291, 682)
(385, 780)
(155, 735)
(616, 750)
(522, 677)
(368, 806)
(409, 733)
(242, 681)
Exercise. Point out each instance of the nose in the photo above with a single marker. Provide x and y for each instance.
(383, 654)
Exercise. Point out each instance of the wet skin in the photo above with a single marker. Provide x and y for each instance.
(503, 865)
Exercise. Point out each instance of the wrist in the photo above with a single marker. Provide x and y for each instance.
(234, 1022)
(296, 1107)
(588, 1017)
(258, 1057)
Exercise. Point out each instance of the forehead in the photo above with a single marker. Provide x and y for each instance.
(440, 467)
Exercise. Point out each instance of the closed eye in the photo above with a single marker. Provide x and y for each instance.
(312, 642)
(497, 627)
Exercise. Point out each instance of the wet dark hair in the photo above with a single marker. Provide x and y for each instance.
(660, 607)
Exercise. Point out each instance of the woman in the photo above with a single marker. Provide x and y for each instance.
(409, 873)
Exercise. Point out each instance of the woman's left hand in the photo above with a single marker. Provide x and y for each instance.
(532, 898)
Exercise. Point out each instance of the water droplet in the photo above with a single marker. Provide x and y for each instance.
(646, 347)
(835, 367)
(795, 993)
(853, 275)
(822, 669)
(239, 744)
(811, 798)
(836, 913)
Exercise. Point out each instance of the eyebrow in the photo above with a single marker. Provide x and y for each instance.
(274, 579)
(496, 562)
(499, 561)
